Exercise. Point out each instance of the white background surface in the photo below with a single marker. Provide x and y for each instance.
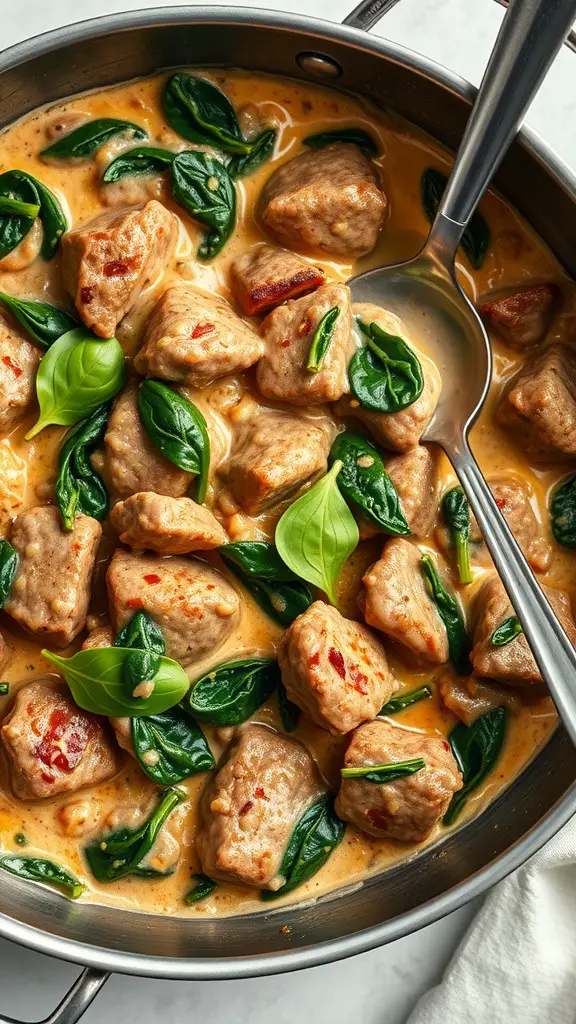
(379, 987)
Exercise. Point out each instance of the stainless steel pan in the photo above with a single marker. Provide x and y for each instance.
(440, 879)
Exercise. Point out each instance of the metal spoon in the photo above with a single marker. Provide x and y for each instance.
(425, 294)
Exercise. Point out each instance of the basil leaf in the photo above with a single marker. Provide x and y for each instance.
(231, 693)
(203, 888)
(35, 869)
(261, 150)
(78, 373)
(363, 480)
(122, 853)
(358, 136)
(405, 700)
(16, 206)
(476, 749)
(142, 160)
(9, 560)
(177, 429)
(317, 533)
(316, 835)
(79, 488)
(142, 634)
(563, 513)
(87, 138)
(271, 583)
(202, 186)
(200, 112)
(179, 746)
(95, 678)
(383, 773)
(43, 322)
(385, 375)
(321, 339)
(450, 612)
(506, 631)
(457, 518)
(289, 712)
(13, 226)
(476, 238)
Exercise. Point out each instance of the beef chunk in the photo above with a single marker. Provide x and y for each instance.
(108, 262)
(416, 478)
(469, 697)
(249, 809)
(101, 636)
(51, 591)
(275, 455)
(327, 200)
(514, 663)
(407, 808)
(5, 653)
(193, 337)
(52, 745)
(194, 605)
(264, 276)
(521, 318)
(19, 361)
(396, 601)
(288, 333)
(170, 526)
(334, 669)
(538, 405)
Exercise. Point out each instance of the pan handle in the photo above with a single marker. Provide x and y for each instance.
(76, 1001)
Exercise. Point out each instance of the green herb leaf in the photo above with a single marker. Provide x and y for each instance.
(405, 700)
(203, 888)
(20, 839)
(203, 187)
(50, 211)
(321, 339)
(87, 138)
(79, 488)
(563, 513)
(4, 689)
(178, 743)
(506, 631)
(272, 584)
(261, 150)
(43, 322)
(363, 480)
(177, 429)
(231, 693)
(385, 375)
(9, 560)
(19, 208)
(145, 639)
(358, 136)
(317, 533)
(476, 238)
(200, 112)
(383, 773)
(123, 852)
(13, 226)
(316, 835)
(476, 749)
(35, 869)
(451, 614)
(289, 712)
(141, 160)
(77, 374)
(457, 518)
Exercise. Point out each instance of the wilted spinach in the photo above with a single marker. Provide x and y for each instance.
(506, 631)
(405, 700)
(203, 888)
(141, 160)
(203, 187)
(363, 480)
(170, 747)
(88, 137)
(243, 165)
(200, 112)
(4, 689)
(144, 638)
(36, 869)
(457, 518)
(231, 693)
(316, 835)
(476, 749)
(9, 560)
(451, 614)
(476, 238)
(358, 136)
(385, 374)
(20, 185)
(321, 340)
(563, 513)
(177, 429)
(79, 488)
(272, 584)
(123, 852)
(383, 773)
(289, 712)
(43, 322)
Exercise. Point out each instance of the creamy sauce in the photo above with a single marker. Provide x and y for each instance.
(27, 470)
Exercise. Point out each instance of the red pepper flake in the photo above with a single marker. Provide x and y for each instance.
(12, 366)
(134, 602)
(151, 578)
(445, 745)
(246, 807)
(286, 343)
(315, 659)
(46, 778)
(359, 680)
(337, 661)
(500, 502)
(63, 744)
(259, 793)
(201, 329)
(118, 268)
(86, 294)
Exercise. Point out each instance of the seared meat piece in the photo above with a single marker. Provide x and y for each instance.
(415, 476)
(51, 591)
(19, 361)
(396, 601)
(288, 333)
(521, 318)
(328, 200)
(5, 653)
(193, 337)
(407, 808)
(514, 663)
(194, 605)
(102, 636)
(539, 405)
(52, 745)
(171, 526)
(249, 809)
(469, 697)
(107, 263)
(264, 276)
(275, 455)
(334, 669)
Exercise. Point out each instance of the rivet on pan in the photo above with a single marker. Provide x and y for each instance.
(319, 65)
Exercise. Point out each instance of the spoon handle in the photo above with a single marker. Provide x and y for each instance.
(553, 652)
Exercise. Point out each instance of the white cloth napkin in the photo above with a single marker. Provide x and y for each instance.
(517, 962)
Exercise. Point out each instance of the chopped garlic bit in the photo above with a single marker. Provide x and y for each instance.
(144, 689)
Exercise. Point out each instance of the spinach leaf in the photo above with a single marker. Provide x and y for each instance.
(385, 375)
(289, 712)
(178, 429)
(476, 238)
(170, 747)
(15, 226)
(21, 209)
(123, 852)
(4, 689)
(262, 148)
(272, 584)
(43, 322)
(203, 187)
(231, 693)
(144, 638)
(35, 869)
(20, 839)
(457, 518)
(321, 339)
(506, 631)
(79, 488)
(142, 160)
(88, 137)
(563, 513)
(77, 374)
(451, 614)
(476, 749)
(358, 136)
(363, 480)
(316, 835)
(96, 681)
(317, 533)
(203, 888)
(200, 112)
(50, 211)
(405, 700)
(9, 559)
(383, 773)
